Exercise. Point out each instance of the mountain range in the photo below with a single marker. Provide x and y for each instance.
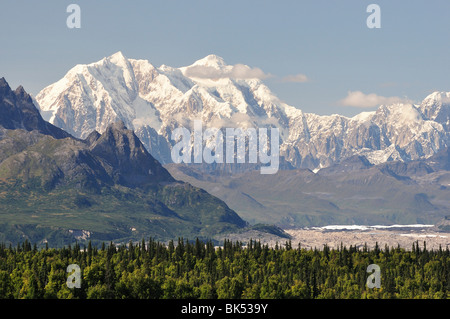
(153, 101)
(56, 188)
(353, 192)
(99, 152)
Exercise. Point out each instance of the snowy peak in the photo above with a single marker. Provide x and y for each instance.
(211, 60)
(434, 103)
(401, 113)
(119, 66)
(437, 98)
(211, 67)
(436, 107)
(364, 116)
(214, 68)
(118, 58)
(91, 96)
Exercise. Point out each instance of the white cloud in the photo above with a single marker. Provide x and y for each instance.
(297, 78)
(359, 99)
(202, 71)
(238, 71)
(241, 71)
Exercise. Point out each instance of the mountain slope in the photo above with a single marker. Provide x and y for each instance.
(55, 188)
(153, 101)
(352, 192)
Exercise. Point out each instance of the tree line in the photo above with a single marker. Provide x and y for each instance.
(196, 269)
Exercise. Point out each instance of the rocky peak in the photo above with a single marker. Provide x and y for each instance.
(5, 91)
(17, 111)
(92, 137)
(130, 162)
(3, 84)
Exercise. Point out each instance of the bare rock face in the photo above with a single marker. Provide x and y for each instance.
(130, 163)
(17, 111)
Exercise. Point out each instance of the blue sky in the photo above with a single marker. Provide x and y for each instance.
(327, 41)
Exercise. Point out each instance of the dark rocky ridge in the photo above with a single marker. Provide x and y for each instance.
(17, 111)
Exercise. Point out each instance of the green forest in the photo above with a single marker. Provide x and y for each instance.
(199, 270)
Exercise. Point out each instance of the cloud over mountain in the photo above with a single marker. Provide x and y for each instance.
(362, 100)
(297, 78)
(237, 71)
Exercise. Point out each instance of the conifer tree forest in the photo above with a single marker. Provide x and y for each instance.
(199, 270)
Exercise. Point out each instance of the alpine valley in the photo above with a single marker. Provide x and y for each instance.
(386, 166)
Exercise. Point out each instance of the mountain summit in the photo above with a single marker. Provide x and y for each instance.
(17, 111)
(131, 164)
(211, 60)
(436, 107)
(153, 101)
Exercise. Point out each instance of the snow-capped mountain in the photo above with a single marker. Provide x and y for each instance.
(436, 107)
(155, 100)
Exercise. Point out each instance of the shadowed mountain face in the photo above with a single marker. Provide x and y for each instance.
(106, 187)
(128, 161)
(441, 160)
(17, 111)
